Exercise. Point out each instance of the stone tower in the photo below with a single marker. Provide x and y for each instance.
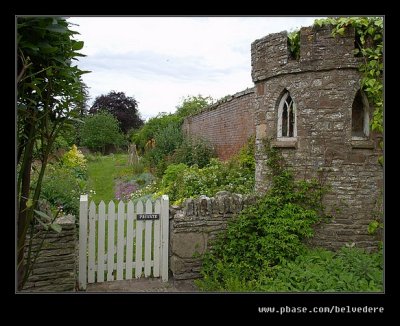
(313, 111)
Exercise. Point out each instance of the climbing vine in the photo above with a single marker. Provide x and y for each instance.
(268, 232)
(369, 45)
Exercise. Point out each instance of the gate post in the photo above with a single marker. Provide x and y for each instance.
(164, 237)
(83, 219)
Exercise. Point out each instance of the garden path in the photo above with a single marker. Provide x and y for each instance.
(144, 285)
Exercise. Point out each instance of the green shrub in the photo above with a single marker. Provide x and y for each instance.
(142, 137)
(143, 179)
(138, 167)
(262, 236)
(245, 158)
(166, 141)
(315, 270)
(95, 157)
(319, 270)
(267, 233)
(181, 182)
(61, 187)
(101, 130)
(236, 175)
(60, 143)
(263, 249)
(169, 182)
(75, 160)
(194, 151)
(192, 105)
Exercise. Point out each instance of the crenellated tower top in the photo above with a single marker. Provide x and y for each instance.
(319, 50)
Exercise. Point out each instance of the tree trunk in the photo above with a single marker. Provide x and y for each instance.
(22, 208)
(23, 214)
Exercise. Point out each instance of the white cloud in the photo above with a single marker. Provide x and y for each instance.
(159, 60)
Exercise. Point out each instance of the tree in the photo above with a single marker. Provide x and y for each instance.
(101, 130)
(49, 94)
(192, 105)
(154, 125)
(120, 106)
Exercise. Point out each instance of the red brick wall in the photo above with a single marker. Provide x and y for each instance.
(226, 125)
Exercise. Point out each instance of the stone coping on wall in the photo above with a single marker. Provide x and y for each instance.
(225, 99)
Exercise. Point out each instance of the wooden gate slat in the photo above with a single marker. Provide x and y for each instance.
(83, 219)
(138, 242)
(120, 246)
(156, 244)
(110, 242)
(147, 245)
(92, 236)
(100, 243)
(129, 240)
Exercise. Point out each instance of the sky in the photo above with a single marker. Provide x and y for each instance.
(161, 60)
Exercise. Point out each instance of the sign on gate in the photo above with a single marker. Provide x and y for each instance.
(141, 217)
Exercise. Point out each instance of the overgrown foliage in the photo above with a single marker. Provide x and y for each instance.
(166, 141)
(294, 44)
(348, 270)
(50, 93)
(62, 188)
(101, 130)
(76, 161)
(192, 105)
(194, 151)
(268, 232)
(64, 181)
(181, 181)
(122, 107)
(161, 141)
(369, 45)
(315, 270)
(144, 137)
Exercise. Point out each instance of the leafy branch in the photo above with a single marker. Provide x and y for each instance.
(369, 42)
(48, 223)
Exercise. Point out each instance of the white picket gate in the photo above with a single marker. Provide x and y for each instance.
(139, 228)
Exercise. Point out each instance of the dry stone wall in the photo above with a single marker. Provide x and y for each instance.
(55, 267)
(193, 227)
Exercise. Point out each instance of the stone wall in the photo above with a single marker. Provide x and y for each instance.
(323, 83)
(194, 225)
(227, 124)
(55, 267)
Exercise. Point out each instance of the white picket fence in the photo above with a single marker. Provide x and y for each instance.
(133, 236)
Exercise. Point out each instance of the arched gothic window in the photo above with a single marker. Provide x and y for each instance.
(360, 117)
(287, 120)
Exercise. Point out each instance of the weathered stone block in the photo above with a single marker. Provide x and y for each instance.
(261, 131)
(186, 245)
(356, 157)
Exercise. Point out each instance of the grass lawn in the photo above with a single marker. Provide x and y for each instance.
(103, 171)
